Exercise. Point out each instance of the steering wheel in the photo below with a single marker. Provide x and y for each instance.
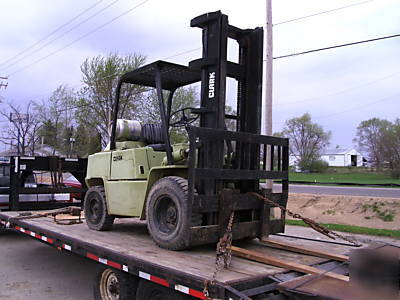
(185, 118)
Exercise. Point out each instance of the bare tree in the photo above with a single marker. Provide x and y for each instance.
(20, 132)
(306, 139)
(380, 139)
(369, 137)
(58, 116)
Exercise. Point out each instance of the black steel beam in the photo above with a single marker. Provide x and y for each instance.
(51, 190)
(210, 234)
(15, 183)
(230, 174)
(260, 290)
(164, 120)
(209, 203)
(246, 137)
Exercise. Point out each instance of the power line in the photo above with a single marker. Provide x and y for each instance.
(338, 46)
(342, 91)
(350, 109)
(322, 12)
(182, 53)
(359, 106)
(80, 38)
(51, 33)
(61, 35)
(111, 75)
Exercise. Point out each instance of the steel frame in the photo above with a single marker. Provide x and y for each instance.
(21, 166)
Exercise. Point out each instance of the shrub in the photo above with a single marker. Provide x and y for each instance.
(319, 166)
(395, 173)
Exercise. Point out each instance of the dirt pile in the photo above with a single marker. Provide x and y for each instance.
(374, 212)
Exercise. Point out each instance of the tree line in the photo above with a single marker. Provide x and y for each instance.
(378, 139)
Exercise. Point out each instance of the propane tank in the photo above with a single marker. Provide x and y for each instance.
(128, 130)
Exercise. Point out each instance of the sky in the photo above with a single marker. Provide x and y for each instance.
(339, 87)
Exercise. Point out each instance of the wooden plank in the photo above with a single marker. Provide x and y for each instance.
(308, 251)
(257, 256)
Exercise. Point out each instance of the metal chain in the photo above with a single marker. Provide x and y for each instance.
(314, 225)
(223, 255)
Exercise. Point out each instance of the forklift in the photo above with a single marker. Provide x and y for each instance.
(188, 192)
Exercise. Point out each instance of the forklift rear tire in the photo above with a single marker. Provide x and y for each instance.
(167, 213)
(150, 291)
(95, 207)
(111, 284)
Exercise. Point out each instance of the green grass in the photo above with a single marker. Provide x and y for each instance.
(352, 229)
(354, 177)
(379, 211)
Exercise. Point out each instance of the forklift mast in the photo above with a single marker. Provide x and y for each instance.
(222, 180)
(215, 68)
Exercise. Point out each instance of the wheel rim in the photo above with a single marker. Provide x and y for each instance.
(166, 215)
(95, 210)
(109, 285)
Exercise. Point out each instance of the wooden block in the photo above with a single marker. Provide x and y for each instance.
(299, 249)
(260, 257)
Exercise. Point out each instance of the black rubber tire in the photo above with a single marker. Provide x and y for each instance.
(95, 207)
(167, 212)
(111, 284)
(150, 291)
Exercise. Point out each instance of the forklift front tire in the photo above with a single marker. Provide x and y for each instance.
(95, 207)
(167, 210)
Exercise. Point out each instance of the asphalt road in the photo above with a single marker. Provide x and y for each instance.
(339, 190)
(30, 269)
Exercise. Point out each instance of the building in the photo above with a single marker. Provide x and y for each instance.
(342, 157)
(338, 157)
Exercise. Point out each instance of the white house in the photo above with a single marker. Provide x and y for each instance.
(336, 158)
(342, 157)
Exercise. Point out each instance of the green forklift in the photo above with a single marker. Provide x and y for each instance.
(188, 192)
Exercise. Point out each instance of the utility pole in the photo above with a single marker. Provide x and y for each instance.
(3, 84)
(268, 81)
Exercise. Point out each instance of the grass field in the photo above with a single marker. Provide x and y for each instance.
(352, 229)
(354, 177)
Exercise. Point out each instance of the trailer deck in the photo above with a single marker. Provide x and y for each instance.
(128, 247)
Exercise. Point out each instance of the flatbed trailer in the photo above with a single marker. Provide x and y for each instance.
(16, 196)
(128, 249)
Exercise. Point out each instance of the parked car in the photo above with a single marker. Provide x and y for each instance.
(71, 181)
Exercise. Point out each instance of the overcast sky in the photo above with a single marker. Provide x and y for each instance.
(339, 88)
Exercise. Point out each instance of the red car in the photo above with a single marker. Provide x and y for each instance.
(73, 182)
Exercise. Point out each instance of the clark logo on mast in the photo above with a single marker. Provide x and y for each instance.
(211, 85)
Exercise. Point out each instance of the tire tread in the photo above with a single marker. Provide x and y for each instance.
(108, 220)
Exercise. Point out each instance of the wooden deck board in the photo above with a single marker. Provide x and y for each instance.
(130, 237)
